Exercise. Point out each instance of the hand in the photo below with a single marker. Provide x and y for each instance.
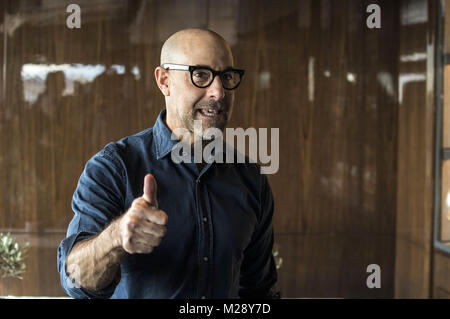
(142, 227)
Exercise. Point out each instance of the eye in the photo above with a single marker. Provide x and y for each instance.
(229, 76)
(201, 74)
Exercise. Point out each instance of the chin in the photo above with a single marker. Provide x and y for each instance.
(219, 123)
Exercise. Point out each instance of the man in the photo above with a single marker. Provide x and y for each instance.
(147, 227)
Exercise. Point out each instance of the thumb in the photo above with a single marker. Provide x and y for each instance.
(150, 190)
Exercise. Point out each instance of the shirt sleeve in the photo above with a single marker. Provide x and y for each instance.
(97, 200)
(258, 270)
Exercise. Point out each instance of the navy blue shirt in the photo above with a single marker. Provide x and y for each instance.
(219, 233)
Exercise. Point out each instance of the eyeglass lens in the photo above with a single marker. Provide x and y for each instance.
(204, 77)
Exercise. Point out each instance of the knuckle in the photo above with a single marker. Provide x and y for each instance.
(143, 206)
(129, 217)
(127, 246)
(163, 217)
(143, 202)
(135, 201)
(142, 209)
(136, 207)
(130, 226)
(138, 203)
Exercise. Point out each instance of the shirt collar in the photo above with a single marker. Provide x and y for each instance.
(164, 143)
(162, 136)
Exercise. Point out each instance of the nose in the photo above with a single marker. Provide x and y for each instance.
(216, 90)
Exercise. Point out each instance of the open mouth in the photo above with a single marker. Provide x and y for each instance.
(210, 112)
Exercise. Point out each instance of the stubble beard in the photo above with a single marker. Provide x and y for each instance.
(187, 119)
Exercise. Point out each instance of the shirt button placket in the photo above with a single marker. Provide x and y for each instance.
(205, 239)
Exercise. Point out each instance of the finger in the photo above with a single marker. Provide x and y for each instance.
(147, 242)
(140, 247)
(158, 217)
(148, 228)
(150, 190)
(150, 215)
(140, 204)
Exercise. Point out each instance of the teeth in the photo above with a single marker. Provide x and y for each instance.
(210, 112)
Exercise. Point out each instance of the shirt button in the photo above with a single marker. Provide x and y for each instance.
(203, 297)
(205, 259)
(205, 219)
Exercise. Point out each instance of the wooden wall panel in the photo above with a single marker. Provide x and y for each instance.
(441, 287)
(2, 93)
(64, 129)
(446, 25)
(334, 265)
(441, 260)
(338, 140)
(446, 106)
(415, 150)
(443, 231)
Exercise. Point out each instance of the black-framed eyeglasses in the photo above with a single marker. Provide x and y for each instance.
(203, 76)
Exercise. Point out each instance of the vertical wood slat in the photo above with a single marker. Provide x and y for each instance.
(444, 229)
(441, 260)
(441, 286)
(414, 218)
(446, 106)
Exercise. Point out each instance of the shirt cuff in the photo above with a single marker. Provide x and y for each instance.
(70, 287)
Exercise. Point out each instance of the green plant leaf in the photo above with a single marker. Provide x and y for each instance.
(11, 257)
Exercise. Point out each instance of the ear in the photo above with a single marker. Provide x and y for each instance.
(162, 80)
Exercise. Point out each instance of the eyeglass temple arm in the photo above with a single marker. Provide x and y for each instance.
(169, 66)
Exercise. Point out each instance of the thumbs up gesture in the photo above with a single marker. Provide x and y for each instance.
(142, 227)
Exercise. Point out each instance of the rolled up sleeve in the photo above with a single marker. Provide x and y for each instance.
(258, 270)
(97, 200)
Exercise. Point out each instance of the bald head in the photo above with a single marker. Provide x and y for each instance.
(185, 101)
(191, 44)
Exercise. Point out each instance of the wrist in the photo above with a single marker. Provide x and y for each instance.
(112, 236)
